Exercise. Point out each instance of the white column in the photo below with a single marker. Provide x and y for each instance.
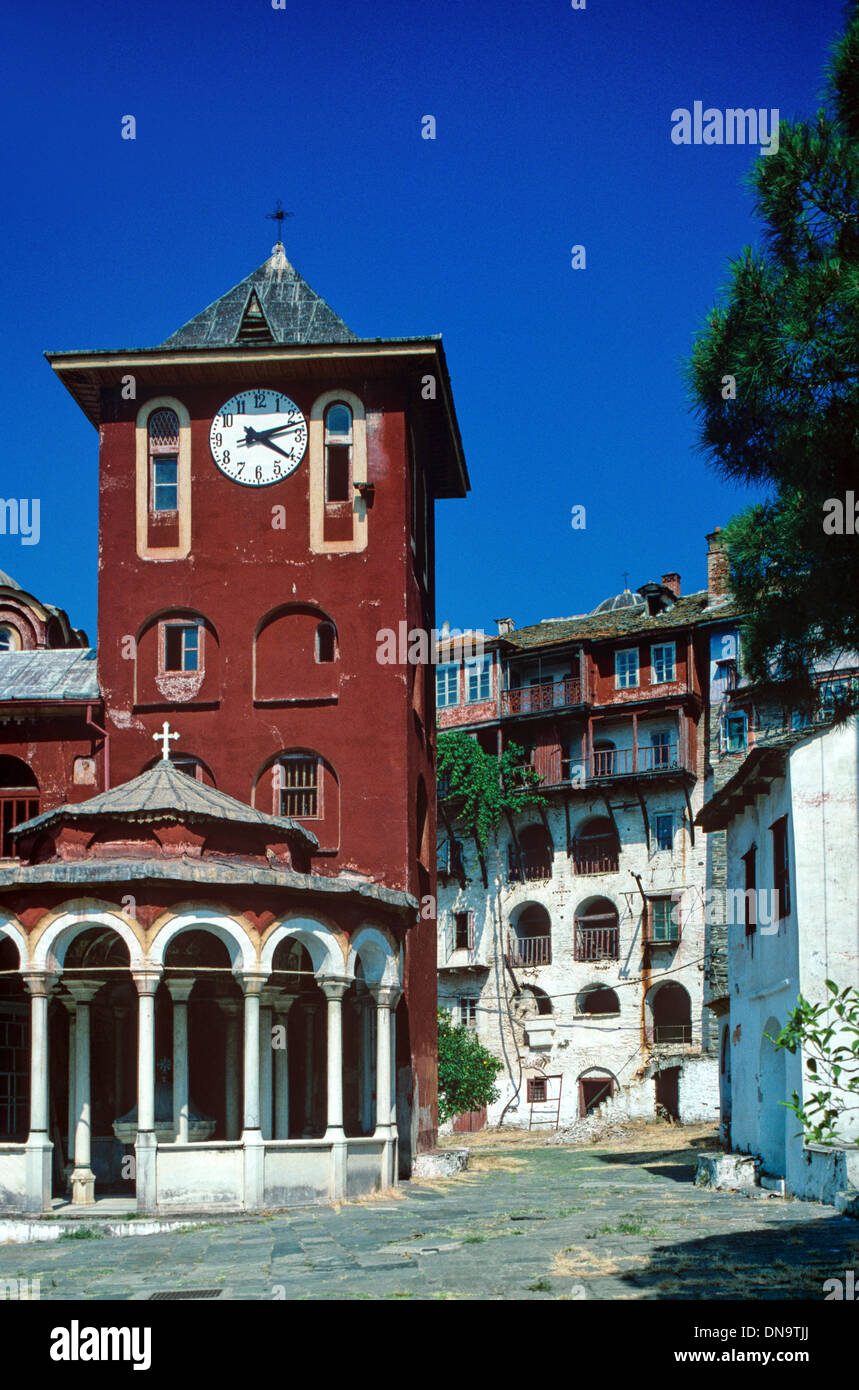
(37, 1196)
(71, 1010)
(334, 989)
(82, 1178)
(252, 1139)
(268, 998)
(146, 1143)
(231, 1009)
(309, 1007)
(119, 1016)
(180, 990)
(386, 997)
(281, 1068)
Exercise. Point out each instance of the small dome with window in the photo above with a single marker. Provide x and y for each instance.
(625, 600)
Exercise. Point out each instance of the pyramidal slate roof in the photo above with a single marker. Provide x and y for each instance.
(272, 305)
(166, 793)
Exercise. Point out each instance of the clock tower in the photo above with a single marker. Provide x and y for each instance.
(267, 490)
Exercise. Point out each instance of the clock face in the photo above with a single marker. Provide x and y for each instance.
(258, 437)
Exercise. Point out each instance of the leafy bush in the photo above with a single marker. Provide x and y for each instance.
(828, 1035)
(466, 1071)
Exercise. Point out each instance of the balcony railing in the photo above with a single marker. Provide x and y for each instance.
(530, 699)
(597, 943)
(598, 855)
(622, 762)
(529, 950)
(533, 867)
(672, 1032)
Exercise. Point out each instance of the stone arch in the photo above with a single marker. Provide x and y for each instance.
(318, 938)
(595, 1086)
(154, 683)
(596, 846)
(288, 666)
(11, 928)
(373, 950)
(596, 999)
(234, 932)
(669, 1007)
(597, 929)
(49, 952)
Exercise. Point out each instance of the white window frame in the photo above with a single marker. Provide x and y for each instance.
(739, 714)
(621, 676)
(476, 669)
(666, 679)
(442, 671)
(185, 626)
(470, 1011)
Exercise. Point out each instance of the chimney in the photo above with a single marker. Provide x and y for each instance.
(504, 625)
(717, 568)
(445, 630)
(672, 582)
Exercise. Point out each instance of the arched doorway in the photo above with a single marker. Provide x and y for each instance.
(301, 1109)
(19, 800)
(14, 1048)
(672, 1014)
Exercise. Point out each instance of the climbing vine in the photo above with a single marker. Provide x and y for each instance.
(477, 788)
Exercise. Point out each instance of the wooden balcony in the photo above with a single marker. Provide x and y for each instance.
(529, 950)
(596, 855)
(532, 699)
(672, 1032)
(638, 760)
(596, 943)
(533, 867)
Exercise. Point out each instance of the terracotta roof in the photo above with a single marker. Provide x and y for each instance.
(164, 792)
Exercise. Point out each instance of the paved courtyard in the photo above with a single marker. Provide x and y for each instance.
(526, 1221)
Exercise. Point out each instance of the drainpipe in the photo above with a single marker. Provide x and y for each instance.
(106, 736)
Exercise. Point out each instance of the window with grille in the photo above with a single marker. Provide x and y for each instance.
(662, 664)
(299, 788)
(181, 647)
(536, 1089)
(163, 429)
(14, 1075)
(626, 669)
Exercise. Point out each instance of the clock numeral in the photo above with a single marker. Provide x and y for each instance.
(258, 472)
(218, 440)
(277, 470)
(259, 398)
(226, 421)
(240, 405)
(240, 466)
(226, 456)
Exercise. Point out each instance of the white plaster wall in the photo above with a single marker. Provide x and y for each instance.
(819, 939)
(615, 1043)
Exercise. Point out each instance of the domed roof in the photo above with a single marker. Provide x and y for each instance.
(624, 600)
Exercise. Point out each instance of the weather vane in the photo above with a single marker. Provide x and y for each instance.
(277, 216)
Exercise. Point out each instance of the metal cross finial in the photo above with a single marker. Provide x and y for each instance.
(165, 736)
(277, 216)
(626, 579)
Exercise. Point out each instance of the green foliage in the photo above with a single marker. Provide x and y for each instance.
(478, 787)
(828, 1035)
(786, 328)
(466, 1071)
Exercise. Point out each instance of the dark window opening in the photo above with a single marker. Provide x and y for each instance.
(751, 882)
(781, 867)
(299, 788)
(593, 1090)
(181, 647)
(325, 642)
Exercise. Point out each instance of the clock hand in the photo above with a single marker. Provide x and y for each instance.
(276, 448)
(253, 436)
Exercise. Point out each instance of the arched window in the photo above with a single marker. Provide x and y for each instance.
(10, 638)
(338, 453)
(672, 1014)
(530, 940)
(597, 934)
(163, 428)
(595, 1087)
(19, 799)
(532, 1002)
(297, 789)
(326, 642)
(598, 999)
(534, 860)
(596, 848)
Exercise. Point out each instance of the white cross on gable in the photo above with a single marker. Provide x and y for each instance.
(165, 736)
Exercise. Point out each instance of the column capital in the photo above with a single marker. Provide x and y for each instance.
(39, 982)
(180, 989)
(386, 996)
(231, 1007)
(251, 981)
(83, 991)
(334, 986)
(284, 1003)
(147, 981)
(268, 996)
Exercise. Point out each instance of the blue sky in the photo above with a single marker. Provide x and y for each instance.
(553, 129)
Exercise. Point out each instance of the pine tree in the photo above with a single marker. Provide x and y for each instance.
(774, 380)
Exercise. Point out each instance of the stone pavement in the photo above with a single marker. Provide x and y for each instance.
(525, 1222)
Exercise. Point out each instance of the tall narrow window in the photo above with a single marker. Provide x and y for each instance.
(781, 867)
(626, 669)
(751, 884)
(164, 461)
(478, 674)
(299, 788)
(181, 647)
(338, 453)
(662, 664)
(447, 685)
(326, 640)
(735, 733)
